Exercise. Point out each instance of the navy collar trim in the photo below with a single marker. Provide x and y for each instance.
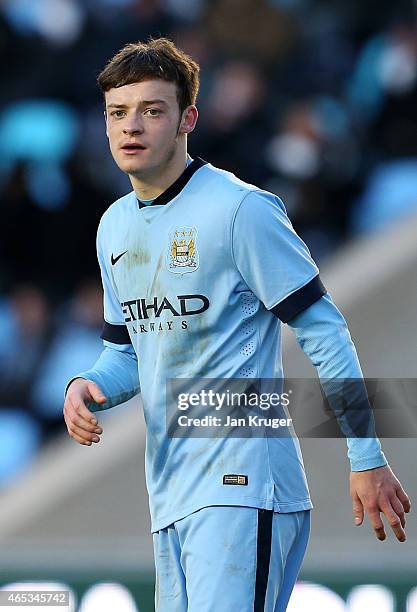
(176, 187)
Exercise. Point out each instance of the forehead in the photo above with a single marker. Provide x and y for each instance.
(135, 93)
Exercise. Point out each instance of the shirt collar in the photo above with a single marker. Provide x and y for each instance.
(177, 186)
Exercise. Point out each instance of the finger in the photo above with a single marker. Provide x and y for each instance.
(85, 435)
(76, 402)
(394, 520)
(376, 522)
(404, 499)
(87, 426)
(358, 510)
(80, 440)
(96, 393)
(82, 416)
(398, 509)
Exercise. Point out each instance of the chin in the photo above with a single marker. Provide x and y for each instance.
(132, 167)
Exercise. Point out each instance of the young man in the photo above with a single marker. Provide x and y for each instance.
(199, 269)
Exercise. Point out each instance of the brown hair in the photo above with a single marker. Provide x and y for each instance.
(156, 59)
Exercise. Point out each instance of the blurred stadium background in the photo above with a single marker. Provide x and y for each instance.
(315, 100)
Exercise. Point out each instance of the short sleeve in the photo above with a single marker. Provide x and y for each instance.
(114, 329)
(272, 259)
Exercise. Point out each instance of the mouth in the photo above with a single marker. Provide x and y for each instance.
(132, 148)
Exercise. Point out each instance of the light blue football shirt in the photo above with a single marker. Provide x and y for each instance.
(199, 282)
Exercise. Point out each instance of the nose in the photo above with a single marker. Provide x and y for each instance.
(133, 125)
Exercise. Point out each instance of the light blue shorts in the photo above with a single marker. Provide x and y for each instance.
(229, 559)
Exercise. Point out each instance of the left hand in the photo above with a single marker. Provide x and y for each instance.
(378, 490)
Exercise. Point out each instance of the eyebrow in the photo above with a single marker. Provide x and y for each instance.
(142, 103)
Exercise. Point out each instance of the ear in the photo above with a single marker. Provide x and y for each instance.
(189, 119)
(105, 120)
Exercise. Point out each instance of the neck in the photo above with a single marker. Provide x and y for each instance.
(159, 179)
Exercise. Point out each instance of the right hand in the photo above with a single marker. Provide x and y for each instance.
(82, 424)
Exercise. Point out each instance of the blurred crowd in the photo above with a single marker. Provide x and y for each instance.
(315, 100)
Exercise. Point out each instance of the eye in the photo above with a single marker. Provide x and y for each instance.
(118, 114)
(153, 112)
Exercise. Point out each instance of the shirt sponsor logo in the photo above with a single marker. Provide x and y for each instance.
(182, 305)
(183, 252)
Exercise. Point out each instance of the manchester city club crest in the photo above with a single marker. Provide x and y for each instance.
(183, 252)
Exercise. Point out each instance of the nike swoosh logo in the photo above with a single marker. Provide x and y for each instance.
(116, 259)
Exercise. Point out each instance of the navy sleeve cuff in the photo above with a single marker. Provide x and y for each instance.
(299, 300)
(117, 334)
